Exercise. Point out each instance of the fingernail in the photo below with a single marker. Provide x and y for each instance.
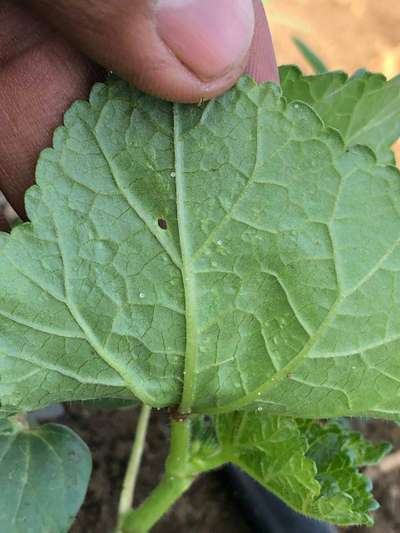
(210, 37)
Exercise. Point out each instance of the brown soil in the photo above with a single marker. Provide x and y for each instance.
(208, 507)
(347, 34)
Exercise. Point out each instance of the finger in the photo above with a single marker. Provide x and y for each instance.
(40, 75)
(262, 62)
(4, 225)
(181, 50)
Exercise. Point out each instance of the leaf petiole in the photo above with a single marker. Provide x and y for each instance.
(129, 483)
(176, 480)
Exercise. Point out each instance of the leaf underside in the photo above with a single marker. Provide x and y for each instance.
(222, 256)
(313, 467)
(44, 474)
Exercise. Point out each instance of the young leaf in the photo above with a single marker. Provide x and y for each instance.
(217, 257)
(44, 473)
(311, 466)
(365, 108)
(205, 453)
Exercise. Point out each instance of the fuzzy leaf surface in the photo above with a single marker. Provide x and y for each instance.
(365, 108)
(312, 467)
(215, 257)
(44, 475)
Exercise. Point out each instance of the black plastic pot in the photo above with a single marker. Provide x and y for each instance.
(263, 511)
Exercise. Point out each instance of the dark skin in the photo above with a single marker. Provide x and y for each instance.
(50, 52)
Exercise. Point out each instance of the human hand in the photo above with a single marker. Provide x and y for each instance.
(181, 50)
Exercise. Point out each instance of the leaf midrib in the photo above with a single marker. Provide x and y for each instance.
(188, 276)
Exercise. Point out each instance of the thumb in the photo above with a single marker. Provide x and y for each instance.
(181, 50)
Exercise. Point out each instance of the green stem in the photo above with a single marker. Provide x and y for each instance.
(178, 457)
(129, 483)
(176, 480)
(157, 504)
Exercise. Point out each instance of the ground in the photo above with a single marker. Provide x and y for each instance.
(207, 507)
(210, 505)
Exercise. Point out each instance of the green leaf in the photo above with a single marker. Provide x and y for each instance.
(312, 466)
(205, 453)
(44, 473)
(220, 256)
(316, 62)
(110, 403)
(365, 108)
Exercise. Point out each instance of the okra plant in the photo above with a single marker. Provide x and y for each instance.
(237, 262)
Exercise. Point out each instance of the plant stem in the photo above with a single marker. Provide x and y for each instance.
(176, 480)
(157, 504)
(178, 457)
(128, 487)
